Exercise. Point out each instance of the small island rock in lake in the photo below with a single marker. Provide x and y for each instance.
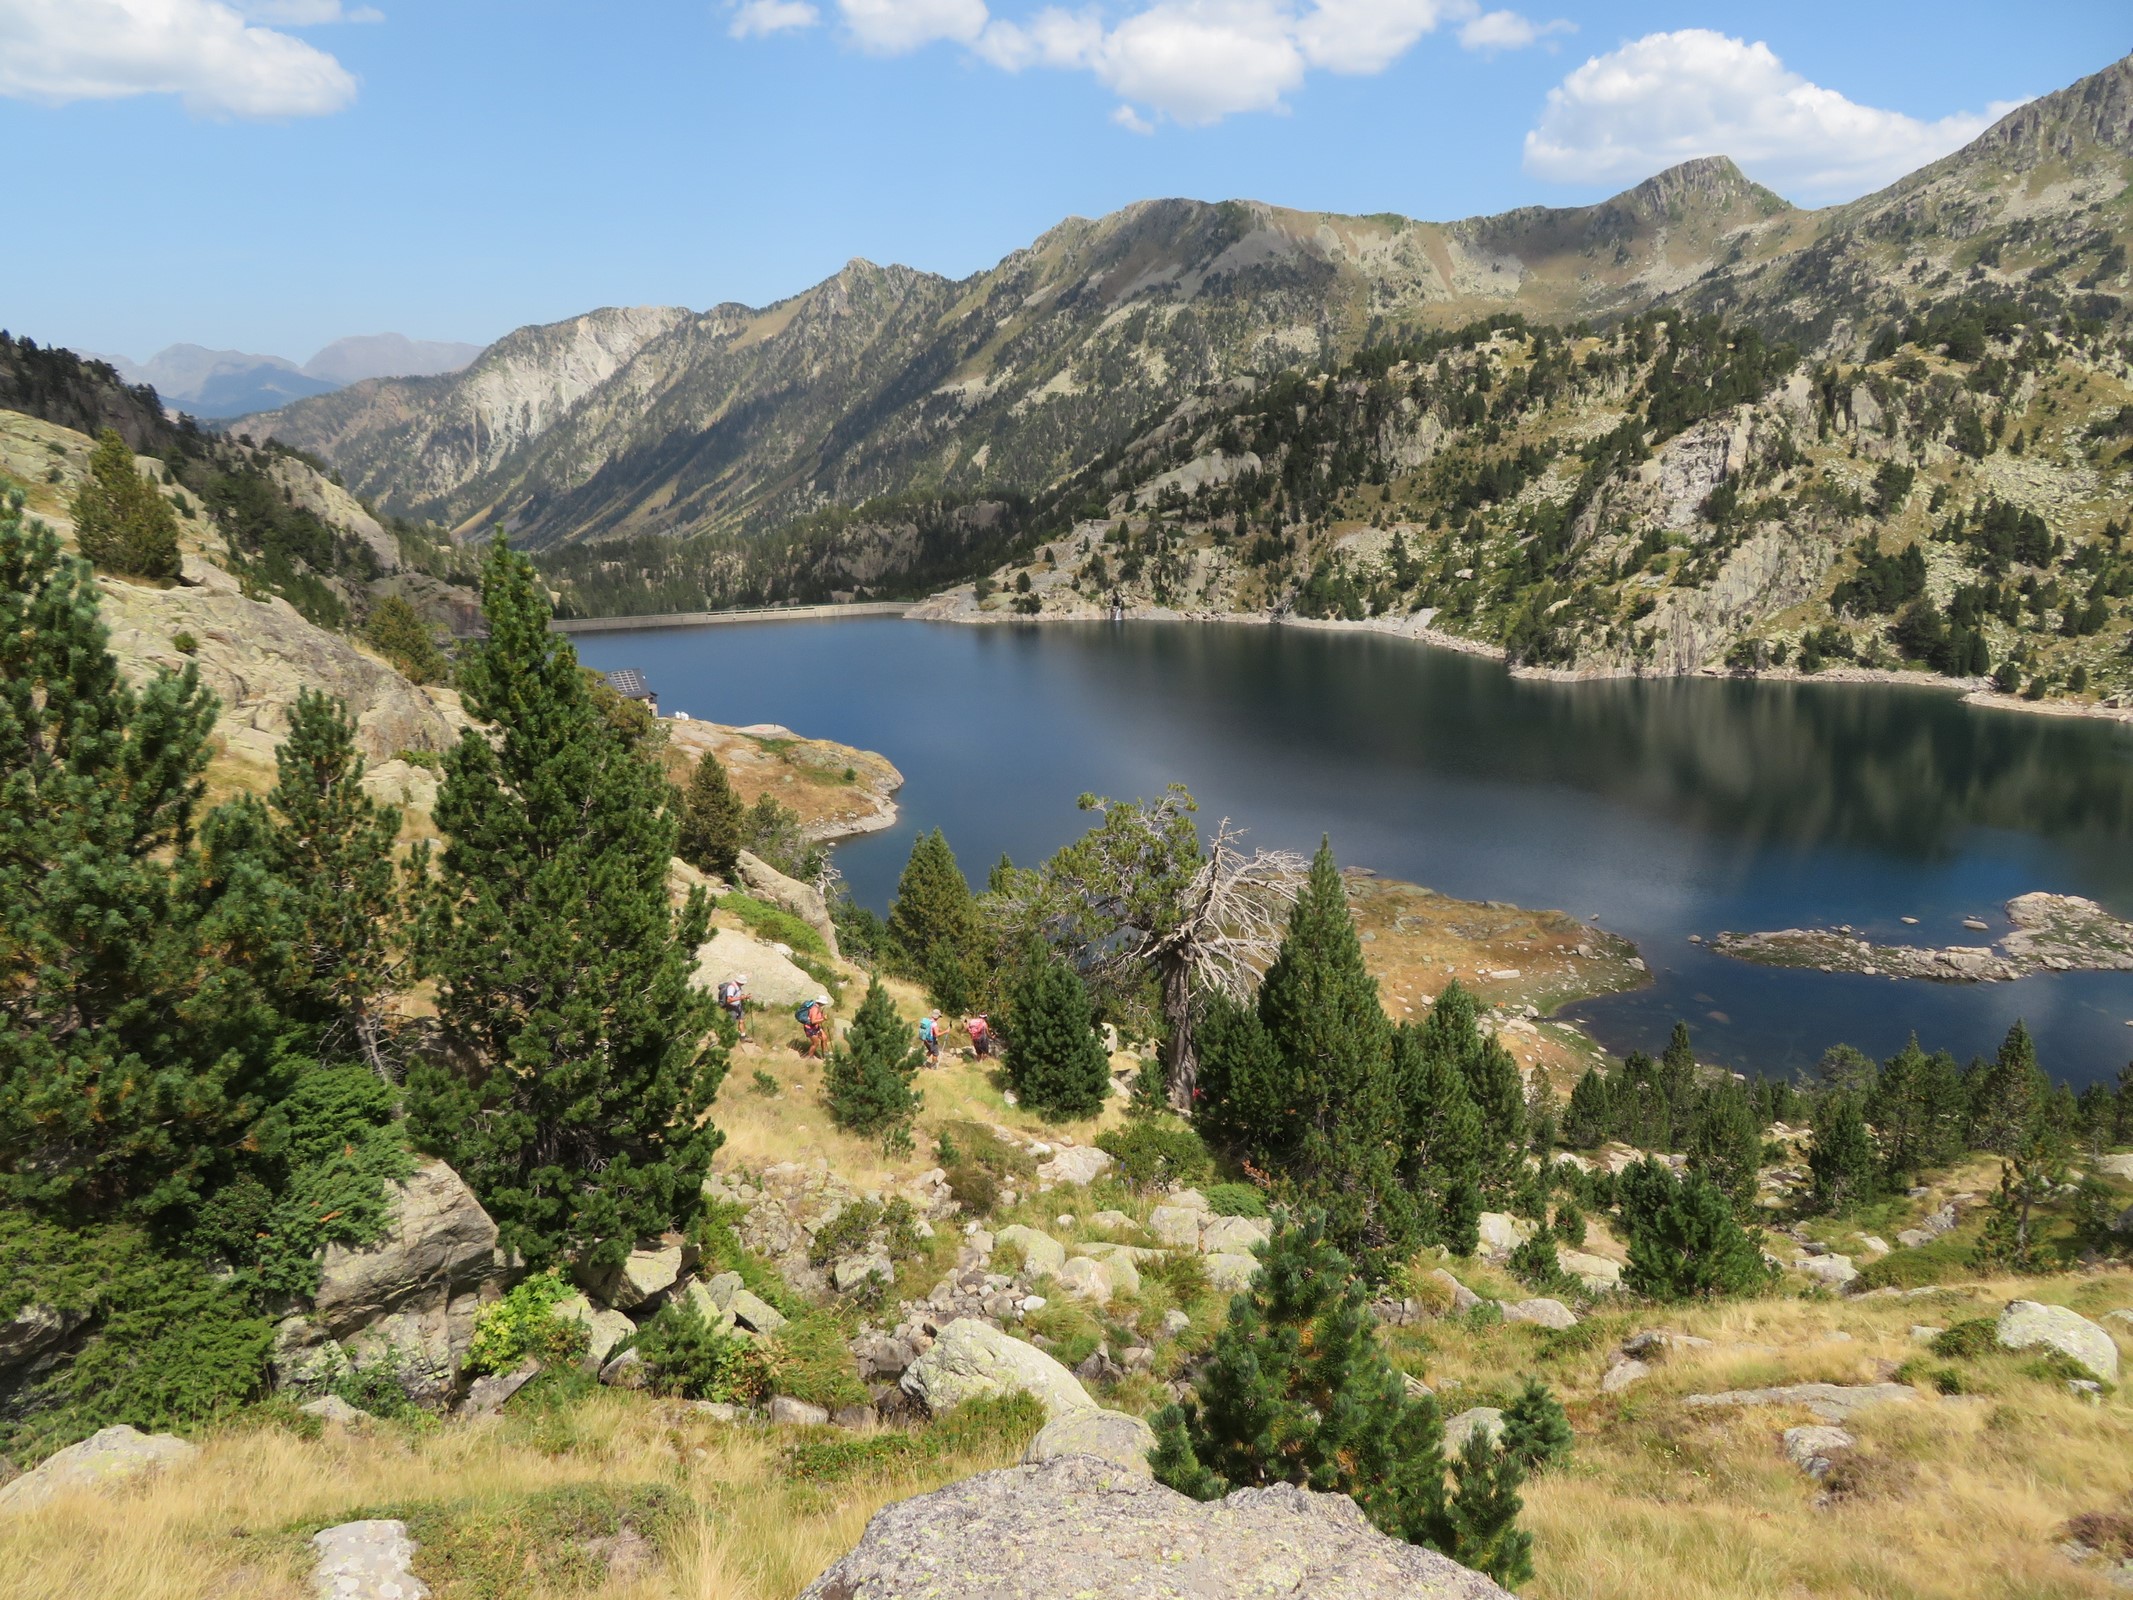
(2051, 933)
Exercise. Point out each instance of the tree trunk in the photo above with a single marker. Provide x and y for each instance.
(1181, 1060)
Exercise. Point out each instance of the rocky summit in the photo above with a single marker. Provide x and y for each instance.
(1077, 1526)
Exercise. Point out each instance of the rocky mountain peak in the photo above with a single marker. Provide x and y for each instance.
(1706, 183)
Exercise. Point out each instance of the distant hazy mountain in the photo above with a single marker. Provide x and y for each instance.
(232, 383)
(387, 355)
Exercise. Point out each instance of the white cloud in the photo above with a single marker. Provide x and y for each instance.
(56, 51)
(1669, 97)
(758, 19)
(1192, 61)
(894, 27)
(304, 13)
(1507, 30)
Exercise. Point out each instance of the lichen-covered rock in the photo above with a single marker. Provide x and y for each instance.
(1230, 1273)
(790, 1413)
(1041, 1253)
(409, 1299)
(1079, 1164)
(643, 1276)
(1597, 1274)
(1484, 1420)
(1118, 1437)
(33, 1331)
(755, 1314)
(1814, 1449)
(366, 1561)
(1087, 1279)
(1542, 1313)
(1500, 1233)
(114, 1456)
(1082, 1527)
(1234, 1236)
(973, 1358)
(1176, 1227)
(2029, 1325)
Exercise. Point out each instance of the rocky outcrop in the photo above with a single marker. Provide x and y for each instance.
(973, 1358)
(2030, 1325)
(101, 1461)
(803, 900)
(1832, 1402)
(2049, 933)
(1082, 1527)
(409, 1300)
(256, 655)
(773, 979)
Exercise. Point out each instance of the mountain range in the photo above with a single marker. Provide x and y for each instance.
(218, 384)
(889, 380)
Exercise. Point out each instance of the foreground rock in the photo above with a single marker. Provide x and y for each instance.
(1078, 1527)
(1832, 1402)
(101, 1461)
(366, 1561)
(409, 1300)
(973, 1359)
(2028, 1325)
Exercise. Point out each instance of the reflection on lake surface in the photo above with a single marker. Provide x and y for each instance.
(1668, 807)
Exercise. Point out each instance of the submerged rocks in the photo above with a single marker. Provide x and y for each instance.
(1083, 1527)
(114, 1456)
(2029, 1325)
(973, 1358)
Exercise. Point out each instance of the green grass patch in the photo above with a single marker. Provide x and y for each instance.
(556, 1539)
(778, 925)
(1005, 1421)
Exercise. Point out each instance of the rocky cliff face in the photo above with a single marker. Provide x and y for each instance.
(883, 380)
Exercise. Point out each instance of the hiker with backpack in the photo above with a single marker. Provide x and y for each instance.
(929, 1035)
(980, 1032)
(733, 999)
(813, 1017)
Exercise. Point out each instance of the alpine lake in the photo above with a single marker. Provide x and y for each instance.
(1665, 808)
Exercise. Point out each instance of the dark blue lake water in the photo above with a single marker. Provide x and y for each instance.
(1668, 807)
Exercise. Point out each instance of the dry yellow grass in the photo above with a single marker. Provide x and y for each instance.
(233, 1522)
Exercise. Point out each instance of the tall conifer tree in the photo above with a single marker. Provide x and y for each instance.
(869, 1076)
(120, 521)
(138, 1051)
(1444, 1138)
(711, 821)
(1055, 1058)
(932, 911)
(1319, 1006)
(576, 1099)
(1452, 1033)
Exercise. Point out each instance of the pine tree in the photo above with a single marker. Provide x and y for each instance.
(869, 1076)
(1320, 1008)
(330, 846)
(575, 1101)
(1247, 1094)
(932, 909)
(1451, 1032)
(120, 520)
(1725, 1144)
(1842, 1161)
(1297, 1390)
(1055, 1059)
(1442, 1144)
(2007, 1095)
(139, 1051)
(1684, 1242)
(1588, 1121)
(404, 639)
(711, 820)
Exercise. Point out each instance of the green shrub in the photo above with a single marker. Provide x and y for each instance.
(766, 1084)
(720, 1249)
(1966, 1341)
(1534, 1264)
(1235, 1200)
(1684, 1242)
(1155, 1151)
(978, 1163)
(688, 1356)
(775, 923)
(1535, 1431)
(378, 1390)
(185, 644)
(523, 1323)
(811, 1360)
(1006, 1422)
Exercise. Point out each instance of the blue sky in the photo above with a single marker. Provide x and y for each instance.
(272, 174)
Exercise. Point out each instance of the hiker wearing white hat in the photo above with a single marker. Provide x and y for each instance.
(814, 1022)
(733, 999)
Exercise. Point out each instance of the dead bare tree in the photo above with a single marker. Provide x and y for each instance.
(1139, 894)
